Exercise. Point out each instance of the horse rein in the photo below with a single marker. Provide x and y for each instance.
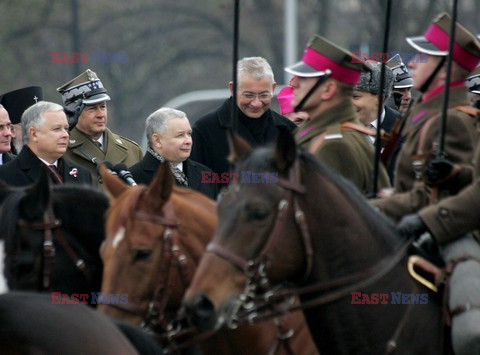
(153, 316)
(51, 227)
(254, 268)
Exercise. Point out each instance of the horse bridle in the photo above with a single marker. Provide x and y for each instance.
(279, 302)
(255, 267)
(51, 227)
(153, 320)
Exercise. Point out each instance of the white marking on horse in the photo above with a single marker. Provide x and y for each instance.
(3, 280)
(118, 237)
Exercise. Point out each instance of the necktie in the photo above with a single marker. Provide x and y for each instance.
(100, 145)
(55, 175)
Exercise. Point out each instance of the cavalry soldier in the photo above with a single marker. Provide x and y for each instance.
(423, 124)
(91, 142)
(323, 86)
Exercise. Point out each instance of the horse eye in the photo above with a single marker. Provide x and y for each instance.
(258, 215)
(141, 255)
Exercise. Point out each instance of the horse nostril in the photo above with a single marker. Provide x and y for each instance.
(201, 312)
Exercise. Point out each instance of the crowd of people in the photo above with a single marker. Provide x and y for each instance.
(331, 106)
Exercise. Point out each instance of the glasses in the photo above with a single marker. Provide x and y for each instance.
(264, 96)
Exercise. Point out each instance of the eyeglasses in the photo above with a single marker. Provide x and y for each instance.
(264, 96)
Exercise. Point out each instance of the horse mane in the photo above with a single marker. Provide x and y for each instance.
(263, 159)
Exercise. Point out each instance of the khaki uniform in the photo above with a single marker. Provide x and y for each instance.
(345, 149)
(456, 215)
(422, 130)
(82, 150)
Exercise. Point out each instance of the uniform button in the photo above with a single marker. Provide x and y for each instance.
(443, 212)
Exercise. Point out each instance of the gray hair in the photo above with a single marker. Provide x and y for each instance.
(34, 115)
(157, 121)
(256, 67)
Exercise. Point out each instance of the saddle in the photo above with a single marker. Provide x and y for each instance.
(460, 278)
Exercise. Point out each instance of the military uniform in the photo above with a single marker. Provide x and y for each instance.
(423, 125)
(335, 135)
(84, 90)
(423, 130)
(345, 149)
(83, 151)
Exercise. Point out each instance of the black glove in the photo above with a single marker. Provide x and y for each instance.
(439, 170)
(424, 244)
(411, 226)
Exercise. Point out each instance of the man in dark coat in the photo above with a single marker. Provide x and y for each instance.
(169, 138)
(257, 123)
(46, 132)
(5, 137)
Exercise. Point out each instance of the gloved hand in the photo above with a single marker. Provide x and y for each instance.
(440, 170)
(411, 226)
(424, 244)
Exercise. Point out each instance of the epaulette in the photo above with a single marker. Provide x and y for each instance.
(334, 132)
(129, 140)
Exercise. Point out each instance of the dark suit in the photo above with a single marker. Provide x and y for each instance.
(26, 168)
(210, 145)
(7, 157)
(389, 119)
(144, 172)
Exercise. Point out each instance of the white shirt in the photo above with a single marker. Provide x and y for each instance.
(1, 158)
(373, 125)
(47, 163)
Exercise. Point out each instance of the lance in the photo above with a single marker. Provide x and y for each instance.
(236, 21)
(443, 123)
(378, 143)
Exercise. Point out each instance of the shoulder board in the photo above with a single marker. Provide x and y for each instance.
(334, 132)
(128, 140)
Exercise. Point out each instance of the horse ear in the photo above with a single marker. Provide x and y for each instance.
(238, 147)
(285, 150)
(162, 185)
(34, 203)
(114, 186)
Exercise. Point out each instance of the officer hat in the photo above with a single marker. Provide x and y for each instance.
(86, 87)
(370, 81)
(285, 98)
(436, 42)
(322, 57)
(17, 101)
(403, 79)
(473, 81)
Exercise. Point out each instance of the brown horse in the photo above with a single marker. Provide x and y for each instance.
(308, 227)
(155, 236)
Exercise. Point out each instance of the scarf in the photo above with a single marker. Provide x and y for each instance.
(179, 175)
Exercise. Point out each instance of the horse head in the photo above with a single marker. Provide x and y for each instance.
(154, 237)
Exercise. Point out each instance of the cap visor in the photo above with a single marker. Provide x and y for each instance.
(304, 70)
(95, 99)
(423, 45)
(405, 83)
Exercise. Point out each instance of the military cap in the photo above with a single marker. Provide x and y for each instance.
(402, 77)
(436, 42)
(322, 57)
(86, 87)
(370, 81)
(17, 101)
(285, 98)
(473, 81)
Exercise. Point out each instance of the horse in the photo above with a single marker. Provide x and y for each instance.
(52, 237)
(306, 229)
(155, 236)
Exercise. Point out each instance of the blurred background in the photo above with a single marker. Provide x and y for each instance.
(152, 53)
